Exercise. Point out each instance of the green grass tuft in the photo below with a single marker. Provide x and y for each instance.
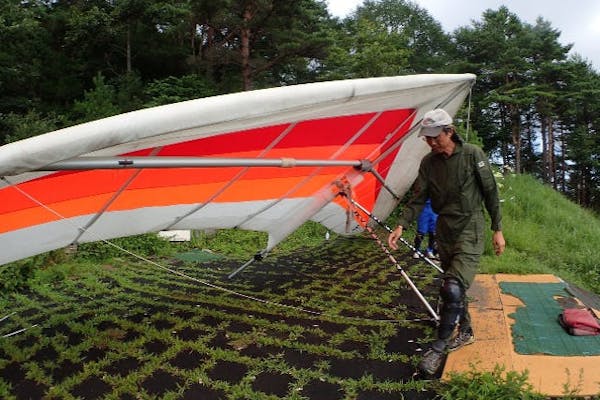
(497, 384)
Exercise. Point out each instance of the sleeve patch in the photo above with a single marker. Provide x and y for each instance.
(481, 164)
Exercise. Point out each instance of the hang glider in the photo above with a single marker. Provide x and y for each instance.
(266, 160)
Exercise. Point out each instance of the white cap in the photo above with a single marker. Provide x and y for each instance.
(434, 121)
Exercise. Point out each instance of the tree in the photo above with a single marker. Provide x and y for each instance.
(364, 49)
(97, 103)
(387, 37)
(580, 111)
(547, 57)
(24, 45)
(424, 40)
(259, 42)
(176, 89)
(15, 126)
(497, 50)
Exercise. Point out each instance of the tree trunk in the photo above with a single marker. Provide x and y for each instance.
(544, 135)
(128, 49)
(505, 154)
(245, 50)
(529, 165)
(516, 137)
(584, 187)
(194, 28)
(206, 50)
(551, 157)
(563, 164)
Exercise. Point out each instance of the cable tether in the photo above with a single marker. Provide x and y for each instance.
(345, 190)
(200, 281)
(404, 241)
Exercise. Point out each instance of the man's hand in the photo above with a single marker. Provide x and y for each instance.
(394, 236)
(498, 242)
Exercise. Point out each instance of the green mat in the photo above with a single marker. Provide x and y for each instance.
(198, 256)
(536, 329)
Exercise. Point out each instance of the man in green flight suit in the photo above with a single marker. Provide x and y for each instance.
(458, 179)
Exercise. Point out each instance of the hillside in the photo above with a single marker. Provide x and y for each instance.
(545, 233)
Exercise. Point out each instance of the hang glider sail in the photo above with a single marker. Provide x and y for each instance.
(266, 160)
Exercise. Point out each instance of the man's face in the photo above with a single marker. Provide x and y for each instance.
(441, 143)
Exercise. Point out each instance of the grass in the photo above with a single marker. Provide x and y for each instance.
(115, 327)
(129, 330)
(498, 384)
(545, 233)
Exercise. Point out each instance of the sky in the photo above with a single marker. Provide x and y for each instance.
(578, 21)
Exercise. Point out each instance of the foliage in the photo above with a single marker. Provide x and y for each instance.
(17, 276)
(97, 103)
(423, 40)
(528, 101)
(22, 55)
(294, 36)
(21, 275)
(241, 244)
(534, 108)
(142, 245)
(386, 38)
(366, 49)
(497, 384)
(175, 89)
(310, 235)
(15, 126)
(130, 92)
(111, 330)
(232, 243)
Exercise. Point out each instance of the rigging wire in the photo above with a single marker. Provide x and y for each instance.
(346, 192)
(390, 230)
(17, 331)
(200, 281)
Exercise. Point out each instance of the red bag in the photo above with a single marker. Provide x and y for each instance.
(579, 322)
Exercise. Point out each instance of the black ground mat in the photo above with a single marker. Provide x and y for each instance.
(338, 322)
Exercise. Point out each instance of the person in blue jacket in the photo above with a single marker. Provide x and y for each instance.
(426, 226)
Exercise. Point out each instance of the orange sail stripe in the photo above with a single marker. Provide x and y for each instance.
(163, 196)
(54, 212)
(271, 189)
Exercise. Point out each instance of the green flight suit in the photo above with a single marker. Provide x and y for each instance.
(458, 186)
